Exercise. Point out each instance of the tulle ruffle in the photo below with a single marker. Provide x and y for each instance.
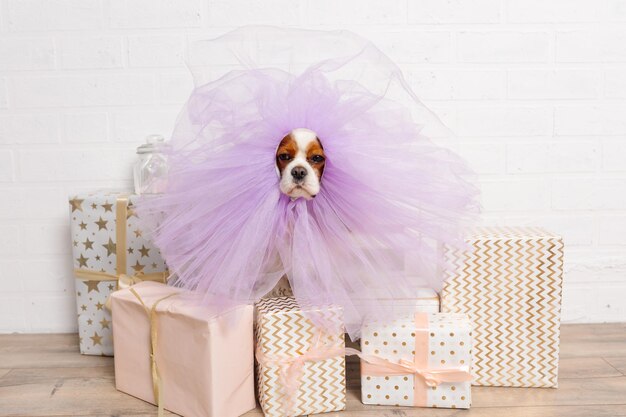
(225, 228)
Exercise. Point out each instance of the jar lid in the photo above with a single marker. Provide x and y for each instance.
(154, 143)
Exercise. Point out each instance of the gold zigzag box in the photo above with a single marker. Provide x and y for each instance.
(509, 282)
(285, 332)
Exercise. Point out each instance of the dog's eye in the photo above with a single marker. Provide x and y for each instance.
(317, 159)
(284, 157)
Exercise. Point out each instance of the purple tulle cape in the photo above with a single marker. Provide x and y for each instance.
(388, 191)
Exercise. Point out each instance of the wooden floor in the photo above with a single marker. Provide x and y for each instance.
(43, 375)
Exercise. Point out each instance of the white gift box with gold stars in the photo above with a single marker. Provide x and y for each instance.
(106, 243)
(401, 359)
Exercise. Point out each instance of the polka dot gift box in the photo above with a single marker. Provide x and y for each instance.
(420, 361)
(107, 244)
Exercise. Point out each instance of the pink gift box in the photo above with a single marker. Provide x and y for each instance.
(205, 360)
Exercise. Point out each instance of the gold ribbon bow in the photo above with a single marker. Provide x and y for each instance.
(157, 383)
(292, 368)
(126, 281)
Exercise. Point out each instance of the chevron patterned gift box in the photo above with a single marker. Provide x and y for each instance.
(509, 282)
(422, 360)
(300, 369)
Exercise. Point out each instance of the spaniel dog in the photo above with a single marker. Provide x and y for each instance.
(300, 164)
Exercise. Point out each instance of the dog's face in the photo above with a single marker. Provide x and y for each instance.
(300, 163)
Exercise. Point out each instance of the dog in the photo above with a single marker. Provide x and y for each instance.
(300, 162)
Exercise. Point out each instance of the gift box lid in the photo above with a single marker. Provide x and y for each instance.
(108, 237)
(106, 192)
(421, 296)
(280, 314)
(508, 232)
(283, 305)
(188, 303)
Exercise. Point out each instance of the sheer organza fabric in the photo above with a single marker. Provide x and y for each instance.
(223, 225)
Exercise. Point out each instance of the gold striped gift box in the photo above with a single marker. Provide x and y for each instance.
(292, 351)
(509, 282)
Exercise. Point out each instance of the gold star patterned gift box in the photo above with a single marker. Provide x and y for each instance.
(300, 368)
(106, 244)
(509, 282)
(422, 360)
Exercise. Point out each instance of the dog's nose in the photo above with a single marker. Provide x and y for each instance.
(298, 173)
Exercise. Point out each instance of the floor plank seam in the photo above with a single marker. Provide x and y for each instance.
(611, 365)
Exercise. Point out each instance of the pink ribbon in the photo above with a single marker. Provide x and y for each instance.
(423, 375)
(292, 368)
(376, 366)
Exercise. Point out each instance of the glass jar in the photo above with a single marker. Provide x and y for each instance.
(150, 169)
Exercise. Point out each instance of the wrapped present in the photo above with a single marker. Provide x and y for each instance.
(106, 245)
(301, 366)
(509, 282)
(174, 351)
(426, 300)
(281, 289)
(420, 361)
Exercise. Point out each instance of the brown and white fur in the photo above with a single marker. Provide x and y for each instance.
(300, 162)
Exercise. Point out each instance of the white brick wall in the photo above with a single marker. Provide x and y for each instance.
(536, 90)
